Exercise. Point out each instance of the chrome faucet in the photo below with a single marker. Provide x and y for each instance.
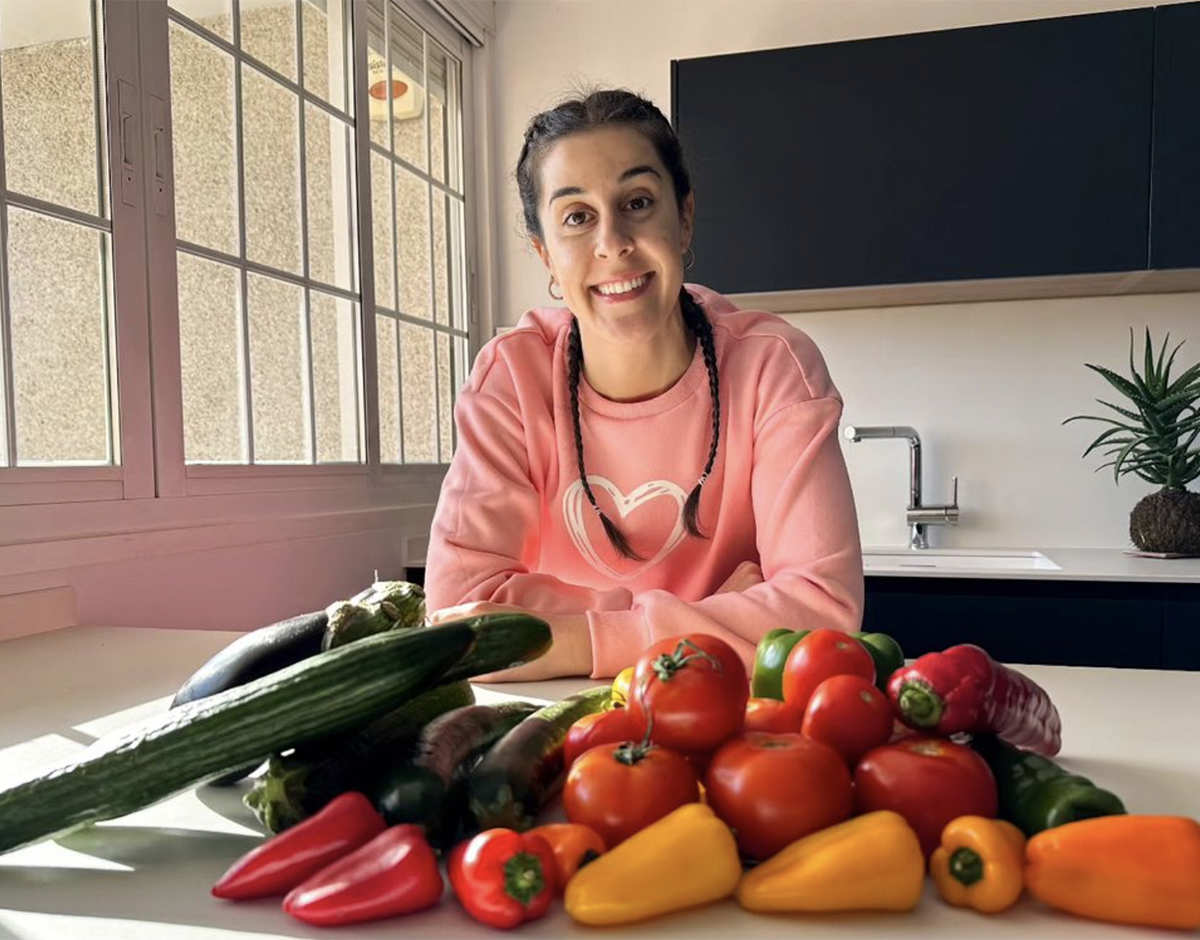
(917, 516)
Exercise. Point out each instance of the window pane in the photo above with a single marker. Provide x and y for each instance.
(441, 259)
(270, 134)
(278, 370)
(381, 224)
(325, 48)
(269, 34)
(458, 257)
(417, 378)
(408, 95)
(216, 15)
(438, 67)
(48, 76)
(412, 244)
(202, 116)
(332, 232)
(389, 389)
(445, 399)
(454, 124)
(211, 361)
(376, 76)
(335, 377)
(58, 287)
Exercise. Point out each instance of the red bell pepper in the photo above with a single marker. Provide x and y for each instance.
(394, 873)
(282, 862)
(503, 877)
(964, 689)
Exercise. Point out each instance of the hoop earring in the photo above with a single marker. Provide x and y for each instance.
(550, 289)
(688, 264)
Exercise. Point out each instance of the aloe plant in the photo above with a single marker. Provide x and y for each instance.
(1154, 438)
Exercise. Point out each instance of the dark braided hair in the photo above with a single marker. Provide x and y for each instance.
(600, 109)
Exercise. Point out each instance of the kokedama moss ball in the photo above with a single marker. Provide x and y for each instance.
(1167, 521)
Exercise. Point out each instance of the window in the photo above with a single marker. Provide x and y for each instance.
(57, 350)
(184, 240)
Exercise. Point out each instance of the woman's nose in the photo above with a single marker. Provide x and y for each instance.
(612, 238)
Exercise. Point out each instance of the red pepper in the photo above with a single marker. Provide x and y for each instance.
(394, 873)
(964, 689)
(502, 877)
(281, 863)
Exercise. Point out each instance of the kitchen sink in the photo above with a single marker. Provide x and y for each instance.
(875, 559)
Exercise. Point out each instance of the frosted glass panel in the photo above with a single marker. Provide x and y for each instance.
(269, 34)
(420, 406)
(335, 377)
(278, 372)
(270, 134)
(389, 389)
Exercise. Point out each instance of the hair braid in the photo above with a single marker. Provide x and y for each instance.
(574, 367)
(697, 322)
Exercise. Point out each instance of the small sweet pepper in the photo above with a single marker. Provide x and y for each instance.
(1128, 869)
(574, 845)
(979, 863)
(685, 859)
(394, 873)
(872, 862)
(283, 861)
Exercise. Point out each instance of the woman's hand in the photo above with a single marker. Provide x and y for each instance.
(570, 652)
(744, 576)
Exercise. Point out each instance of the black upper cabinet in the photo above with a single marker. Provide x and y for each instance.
(1175, 195)
(995, 151)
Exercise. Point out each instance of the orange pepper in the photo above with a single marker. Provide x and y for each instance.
(1127, 869)
(979, 863)
(574, 845)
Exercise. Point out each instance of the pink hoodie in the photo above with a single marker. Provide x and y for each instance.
(514, 526)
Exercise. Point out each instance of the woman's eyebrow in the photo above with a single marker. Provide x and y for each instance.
(632, 171)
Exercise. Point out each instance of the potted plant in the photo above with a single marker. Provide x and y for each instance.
(1154, 440)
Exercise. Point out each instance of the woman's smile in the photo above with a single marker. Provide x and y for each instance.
(615, 292)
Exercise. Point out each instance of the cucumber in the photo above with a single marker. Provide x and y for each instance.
(524, 769)
(312, 699)
(300, 784)
(501, 641)
(417, 790)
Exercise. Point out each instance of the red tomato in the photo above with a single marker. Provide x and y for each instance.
(611, 727)
(929, 781)
(770, 714)
(774, 788)
(850, 715)
(617, 789)
(821, 654)
(694, 688)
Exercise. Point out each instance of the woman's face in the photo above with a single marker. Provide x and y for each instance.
(609, 217)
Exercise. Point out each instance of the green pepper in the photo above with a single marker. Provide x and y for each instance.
(887, 655)
(766, 679)
(1036, 793)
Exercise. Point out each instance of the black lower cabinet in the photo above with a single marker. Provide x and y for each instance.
(1062, 623)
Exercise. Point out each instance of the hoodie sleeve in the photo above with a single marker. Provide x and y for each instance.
(808, 546)
(487, 524)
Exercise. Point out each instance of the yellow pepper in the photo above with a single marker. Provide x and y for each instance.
(620, 688)
(979, 863)
(687, 858)
(872, 862)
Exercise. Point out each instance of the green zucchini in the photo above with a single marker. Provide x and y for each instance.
(524, 769)
(300, 784)
(331, 692)
(417, 790)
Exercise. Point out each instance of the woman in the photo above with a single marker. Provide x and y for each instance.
(647, 460)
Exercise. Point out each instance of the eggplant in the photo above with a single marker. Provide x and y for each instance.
(252, 656)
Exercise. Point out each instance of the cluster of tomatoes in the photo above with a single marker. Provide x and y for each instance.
(774, 771)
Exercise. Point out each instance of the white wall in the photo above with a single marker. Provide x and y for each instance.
(985, 384)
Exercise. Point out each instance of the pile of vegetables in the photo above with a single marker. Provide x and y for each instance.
(833, 777)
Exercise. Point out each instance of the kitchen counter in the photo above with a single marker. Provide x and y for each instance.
(146, 876)
(1065, 564)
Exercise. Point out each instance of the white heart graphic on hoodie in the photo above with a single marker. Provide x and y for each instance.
(575, 505)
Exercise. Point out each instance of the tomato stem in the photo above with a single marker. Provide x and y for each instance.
(666, 665)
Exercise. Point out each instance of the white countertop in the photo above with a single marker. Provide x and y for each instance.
(1065, 564)
(147, 876)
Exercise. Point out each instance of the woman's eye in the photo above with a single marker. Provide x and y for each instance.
(642, 199)
(571, 215)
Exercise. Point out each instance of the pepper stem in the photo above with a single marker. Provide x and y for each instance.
(523, 879)
(966, 866)
(920, 705)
